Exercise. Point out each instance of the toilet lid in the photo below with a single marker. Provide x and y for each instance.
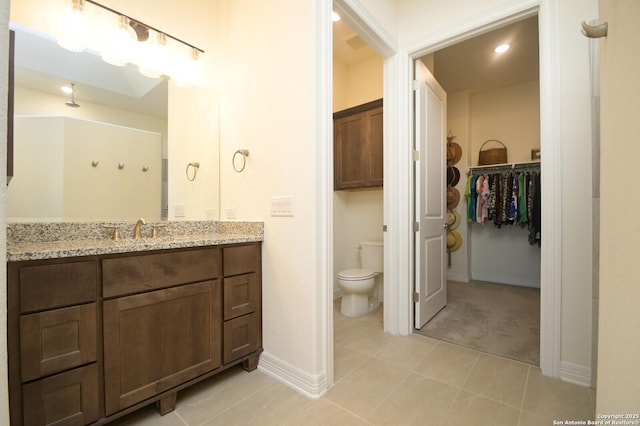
(356, 274)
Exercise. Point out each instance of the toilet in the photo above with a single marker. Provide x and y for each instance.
(358, 284)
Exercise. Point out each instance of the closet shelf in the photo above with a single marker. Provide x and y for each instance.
(506, 166)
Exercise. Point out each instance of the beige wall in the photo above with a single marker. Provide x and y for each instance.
(509, 114)
(270, 109)
(619, 345)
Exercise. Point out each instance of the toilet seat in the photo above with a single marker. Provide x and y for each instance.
(356, 275)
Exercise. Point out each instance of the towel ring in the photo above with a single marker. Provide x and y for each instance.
(245, 154)
(195, 165)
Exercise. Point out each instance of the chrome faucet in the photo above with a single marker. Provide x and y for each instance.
(137, 231)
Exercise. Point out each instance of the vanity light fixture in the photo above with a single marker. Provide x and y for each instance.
(502, 48)
(121, 39)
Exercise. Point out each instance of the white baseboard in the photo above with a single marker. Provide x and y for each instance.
(310, 385)
(459, 278)
(576, 374)
(523, 282)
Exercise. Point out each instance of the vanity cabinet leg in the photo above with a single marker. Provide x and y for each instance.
(251, 364)
(166, 404)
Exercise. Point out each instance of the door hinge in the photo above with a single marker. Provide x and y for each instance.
(415, 85)
(416, 297)
(416, 226)
(415, 155)
(384, 228)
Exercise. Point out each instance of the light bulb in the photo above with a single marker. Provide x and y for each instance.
(118, 44)
(187, 71)
(73, 31)
(155, 58)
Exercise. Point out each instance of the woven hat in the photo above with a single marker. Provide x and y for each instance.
(453, 220)
(454, 241)
(454, 153)
(453, 176)
(453, 198)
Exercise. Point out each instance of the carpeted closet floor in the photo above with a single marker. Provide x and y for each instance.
(498, 319)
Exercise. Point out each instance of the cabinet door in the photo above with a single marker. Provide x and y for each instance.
(54, 341)
(160, 339)
(358, 146)
(241, 295)
(69, 398)
(351, 152)
(376, 155)
(241, 337)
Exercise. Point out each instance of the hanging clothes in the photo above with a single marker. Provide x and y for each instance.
(506, 197)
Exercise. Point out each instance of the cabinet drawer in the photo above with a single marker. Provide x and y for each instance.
(134, 274)
(70, 398)
(241, 259)
(241, 295)
(54, 341)
(241, 337)
(56, 285)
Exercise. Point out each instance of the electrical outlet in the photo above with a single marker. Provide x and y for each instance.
(232, 213)
(178, 210)
(282, 206)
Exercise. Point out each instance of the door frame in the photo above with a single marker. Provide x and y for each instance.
(551, 262)
(398, 188)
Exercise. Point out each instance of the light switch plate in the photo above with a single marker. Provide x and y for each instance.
(282, 206)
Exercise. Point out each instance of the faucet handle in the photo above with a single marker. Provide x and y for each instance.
(115, 236)
(155, 227)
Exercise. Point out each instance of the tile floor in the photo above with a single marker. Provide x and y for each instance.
(386, 380)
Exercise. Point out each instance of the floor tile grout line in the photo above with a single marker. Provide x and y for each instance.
(348, 411)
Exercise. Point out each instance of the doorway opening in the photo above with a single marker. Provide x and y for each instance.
(493, 266)
(358, 193)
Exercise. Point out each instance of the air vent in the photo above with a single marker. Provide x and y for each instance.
(355, 42)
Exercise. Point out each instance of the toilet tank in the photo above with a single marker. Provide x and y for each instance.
(372, 256)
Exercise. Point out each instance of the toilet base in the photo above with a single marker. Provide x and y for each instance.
(357, 305)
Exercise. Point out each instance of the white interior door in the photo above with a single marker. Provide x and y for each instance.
(429, 183)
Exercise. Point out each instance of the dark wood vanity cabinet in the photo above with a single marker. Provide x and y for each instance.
(93, 338)
(53, 339)
(358, 148)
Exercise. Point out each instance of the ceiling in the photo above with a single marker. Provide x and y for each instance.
(42, 65)
(469, 65)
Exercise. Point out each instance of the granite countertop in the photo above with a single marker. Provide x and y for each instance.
(48, 241)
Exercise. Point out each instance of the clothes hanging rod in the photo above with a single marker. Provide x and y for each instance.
(506, 166)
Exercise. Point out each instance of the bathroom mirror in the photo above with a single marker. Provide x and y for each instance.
(118, 156)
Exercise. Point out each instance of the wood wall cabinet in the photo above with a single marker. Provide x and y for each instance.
(358, 148)
(91, 339)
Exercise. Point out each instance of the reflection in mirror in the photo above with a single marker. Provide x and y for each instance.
(67, 159)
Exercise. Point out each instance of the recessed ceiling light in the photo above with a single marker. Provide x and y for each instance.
(335, 17)
(502, 48)
(66, 89)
